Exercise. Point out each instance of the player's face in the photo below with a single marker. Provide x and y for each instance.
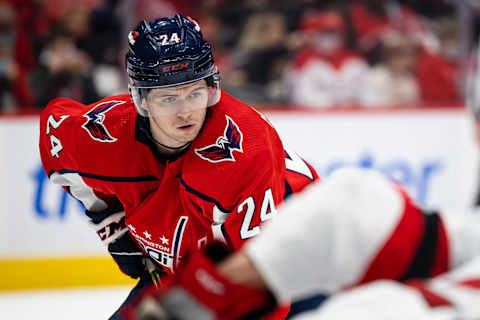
(177, 113)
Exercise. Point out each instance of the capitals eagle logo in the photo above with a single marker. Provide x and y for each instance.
(223, 149)
(95, 117)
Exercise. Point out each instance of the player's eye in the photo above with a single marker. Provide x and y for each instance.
(169, 100)
(195, 95)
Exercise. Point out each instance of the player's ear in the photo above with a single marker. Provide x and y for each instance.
(144, 99)
(144, 104)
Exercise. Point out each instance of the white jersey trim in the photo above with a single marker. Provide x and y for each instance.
(80, 190)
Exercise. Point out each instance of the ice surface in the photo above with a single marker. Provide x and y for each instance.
(65, 304)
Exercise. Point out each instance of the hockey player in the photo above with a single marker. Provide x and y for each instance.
(353, 228)
(175, 164)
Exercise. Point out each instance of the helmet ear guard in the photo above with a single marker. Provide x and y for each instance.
(169, 52)
(138, 95)
(214, 91)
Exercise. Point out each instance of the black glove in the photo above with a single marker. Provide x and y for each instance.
(128, 256)
(113, 232)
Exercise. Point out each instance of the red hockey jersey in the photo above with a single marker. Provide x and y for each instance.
(229, 181)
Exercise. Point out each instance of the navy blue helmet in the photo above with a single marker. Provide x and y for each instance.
(168, 52)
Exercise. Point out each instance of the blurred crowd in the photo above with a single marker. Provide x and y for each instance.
(308, 54)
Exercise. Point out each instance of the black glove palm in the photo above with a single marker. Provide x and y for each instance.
(128, 256)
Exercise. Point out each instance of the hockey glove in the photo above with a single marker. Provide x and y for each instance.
(114, 234)
(198, 291)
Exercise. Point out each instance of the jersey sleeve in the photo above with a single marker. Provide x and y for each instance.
(299, 173)
(257, 205)
(269, 186)
(56, 141)
(238, 194)
(58, 144)
(243, 202)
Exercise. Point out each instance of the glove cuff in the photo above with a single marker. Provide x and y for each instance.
(110, 228)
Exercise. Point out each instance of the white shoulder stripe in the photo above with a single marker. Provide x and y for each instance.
(80, 190)
(217, 233)
(219, 216)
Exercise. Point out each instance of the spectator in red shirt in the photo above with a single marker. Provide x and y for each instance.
(439, 73)
(372, 19)
(325, 73)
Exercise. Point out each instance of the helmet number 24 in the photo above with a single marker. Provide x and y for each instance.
(166, 41)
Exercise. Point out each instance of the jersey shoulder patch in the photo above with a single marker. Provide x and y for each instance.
(94, 124)
(225, 145)
(233, 132)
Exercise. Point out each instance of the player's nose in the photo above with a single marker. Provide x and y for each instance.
(185, 116)
(185, 109)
